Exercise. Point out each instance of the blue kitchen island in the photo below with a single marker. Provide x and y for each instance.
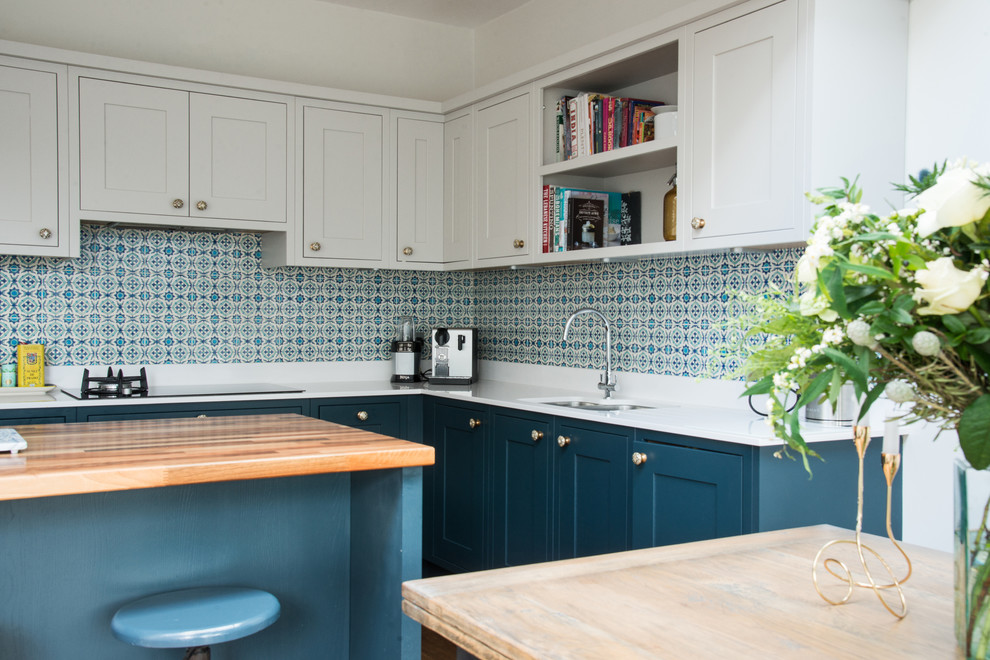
(327, 518)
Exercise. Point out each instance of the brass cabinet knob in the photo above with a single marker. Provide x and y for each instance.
(45, 233)
(536, 435)
(697, 223)
(638, 458)
(177, 203)
(201, 205)
(407, 251)
(474, 423)
(563, 440)
(314, 246)
(200, 416)
(362, 415)
(518, 243)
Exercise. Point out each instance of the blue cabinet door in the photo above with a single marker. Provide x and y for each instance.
(522, 488)
(592, 477)
(37, 416)
(385, 415)
(460, 492)
(683, 494)
(173, 410)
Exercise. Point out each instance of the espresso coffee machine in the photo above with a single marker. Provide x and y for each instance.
(455, 356)
(405, 351)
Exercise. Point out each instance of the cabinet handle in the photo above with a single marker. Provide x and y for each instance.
(314, 246)
(200, 416)
(177, 203)
(407, 251)
(474, 423)
(536, 435)
(697, 223)
(362, 415)
(45, 233)
(638, 458)
(518, 243)
(201, 205)
(563, 440)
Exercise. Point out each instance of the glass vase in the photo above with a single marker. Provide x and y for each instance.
(972, 570)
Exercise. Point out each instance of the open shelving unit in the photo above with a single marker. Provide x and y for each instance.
(646, 70)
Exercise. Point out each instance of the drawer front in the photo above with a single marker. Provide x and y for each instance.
(385, 417)
(166, 411)
(46, 416)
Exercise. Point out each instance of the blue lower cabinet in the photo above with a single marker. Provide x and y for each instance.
(592, 465)
(682, 494)
(523, 487)
(385, 415)
(175, 410)
(457, 501)
(37, 416)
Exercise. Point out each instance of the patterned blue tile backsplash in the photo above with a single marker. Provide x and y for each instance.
(157, 296)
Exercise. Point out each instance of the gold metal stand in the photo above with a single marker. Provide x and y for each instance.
(837, 569)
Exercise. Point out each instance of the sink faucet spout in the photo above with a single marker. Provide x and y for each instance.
(607, 381)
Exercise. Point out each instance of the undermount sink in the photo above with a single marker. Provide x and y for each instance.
(600, 404)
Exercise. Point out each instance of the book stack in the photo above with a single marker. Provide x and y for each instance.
(578, 219)
(592, 123)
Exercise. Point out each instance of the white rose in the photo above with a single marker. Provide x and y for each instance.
(946, 289)
(814, 305)
(953, 201)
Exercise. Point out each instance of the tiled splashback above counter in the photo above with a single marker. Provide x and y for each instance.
(139, 296)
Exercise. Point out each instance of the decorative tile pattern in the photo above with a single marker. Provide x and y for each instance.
(159, 296)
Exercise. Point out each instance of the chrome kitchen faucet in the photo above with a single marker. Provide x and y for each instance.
(607, 381)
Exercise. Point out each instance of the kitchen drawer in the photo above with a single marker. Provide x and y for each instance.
(37, 416)
(212, 409)
(385, 415)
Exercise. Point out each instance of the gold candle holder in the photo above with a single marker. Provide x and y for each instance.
(838, 569)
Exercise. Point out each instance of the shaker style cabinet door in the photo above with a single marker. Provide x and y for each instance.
(503, 179)
(419, 212)
(238, 158)
(342, 185)
(133, 148)
(744, 128)
(31, 204)
(458, 188)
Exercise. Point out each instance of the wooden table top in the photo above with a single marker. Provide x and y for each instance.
(88, 457)
(746, 596)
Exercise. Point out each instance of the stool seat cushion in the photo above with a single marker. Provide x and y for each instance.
(195, 617)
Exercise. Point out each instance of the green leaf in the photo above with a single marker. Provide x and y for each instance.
(830, 279)
(764, 386)
(873, 395)
(871, 308)
(974, 433)
(849, 366)
(978, 336)
(953, 324)
(902, 317)
(874, 271)
(814, 390)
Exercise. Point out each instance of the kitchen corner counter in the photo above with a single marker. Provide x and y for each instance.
(66, 459)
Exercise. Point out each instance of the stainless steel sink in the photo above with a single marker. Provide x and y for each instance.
(600, 404)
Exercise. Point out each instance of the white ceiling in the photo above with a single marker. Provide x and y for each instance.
(462, 13)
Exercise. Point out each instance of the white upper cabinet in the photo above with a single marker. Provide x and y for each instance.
(744, 128)
(503, 223)
(458, 187)
(418, 198)
(343, 184)
(157, 155)
(781, 104)
(33, 160)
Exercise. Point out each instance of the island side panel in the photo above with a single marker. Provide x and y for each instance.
(386, 550)
(69, 562)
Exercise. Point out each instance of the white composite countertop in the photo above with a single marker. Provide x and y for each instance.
(697, 408)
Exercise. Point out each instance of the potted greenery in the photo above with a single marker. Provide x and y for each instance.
(895, 304)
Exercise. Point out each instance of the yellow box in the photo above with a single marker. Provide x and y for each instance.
(30, 365)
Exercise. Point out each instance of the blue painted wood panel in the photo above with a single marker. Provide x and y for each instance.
(461, 490)
(175, 410)
(522, 483)
(683, 494)
(384, 415)
(592, 477)
(37, 416)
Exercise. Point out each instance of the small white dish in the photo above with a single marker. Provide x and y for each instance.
(26, 394)
(662, 109)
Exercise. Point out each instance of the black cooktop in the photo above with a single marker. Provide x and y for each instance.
(161, 391)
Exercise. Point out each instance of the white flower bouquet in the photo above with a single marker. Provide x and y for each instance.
(894, 303)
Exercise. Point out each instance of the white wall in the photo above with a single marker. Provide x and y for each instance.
(948, 61)
(305, 41)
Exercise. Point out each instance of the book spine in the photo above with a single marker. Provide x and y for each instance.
(609, 123)
(546, 219)
(572, 120)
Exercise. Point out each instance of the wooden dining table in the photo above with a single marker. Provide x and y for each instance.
(747, 596)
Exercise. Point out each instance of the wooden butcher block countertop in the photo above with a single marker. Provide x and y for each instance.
(66, 459)
(743, 597)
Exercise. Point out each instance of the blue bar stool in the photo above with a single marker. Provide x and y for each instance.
(195, 618)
